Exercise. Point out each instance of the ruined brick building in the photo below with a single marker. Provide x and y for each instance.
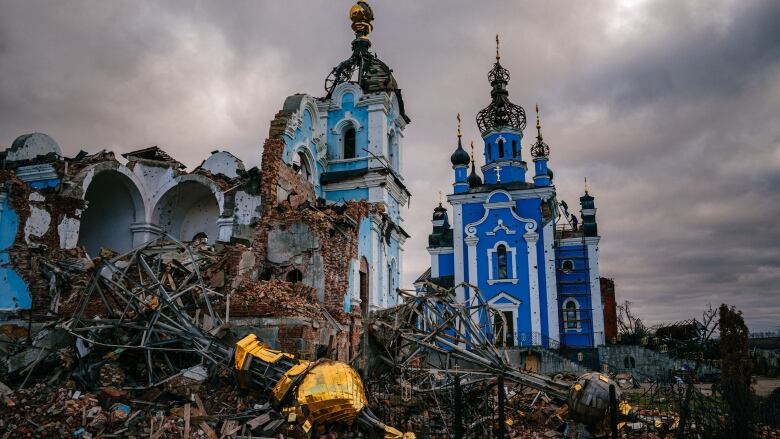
(323, 211)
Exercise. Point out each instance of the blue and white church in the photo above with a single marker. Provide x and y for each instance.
(511, 238)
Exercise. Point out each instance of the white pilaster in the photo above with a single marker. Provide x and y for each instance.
(375, 269)
(595, 291)
(471, 244)
(457, 232)
(553, 328)
(531, 238)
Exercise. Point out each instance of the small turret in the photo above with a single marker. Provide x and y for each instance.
(441, 235)
(540, 151)
(588, 213)
(460, 162)
(473, 180)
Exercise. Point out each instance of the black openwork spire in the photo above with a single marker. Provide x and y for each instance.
(373, 75)
(539, 149)
(500, 113)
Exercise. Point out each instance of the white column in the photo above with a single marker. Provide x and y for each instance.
(457, 238)
(531, 239)
(553, 327)
(471, 243)
(375, 270)
(144, 232)
(595, 291)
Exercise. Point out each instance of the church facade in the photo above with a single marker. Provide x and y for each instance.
(511, 242)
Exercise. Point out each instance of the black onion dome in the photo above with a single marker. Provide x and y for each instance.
(460, 156)
(501, 113)
(474, 180)
(439, 212)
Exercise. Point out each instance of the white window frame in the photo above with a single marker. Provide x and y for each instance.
(564, 313)
(513, 307)
(512, 269)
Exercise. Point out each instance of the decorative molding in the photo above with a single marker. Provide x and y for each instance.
(440, 250)
(348, 119)
(471, 228)
(543, 193)
(501, 226)
(371, 180)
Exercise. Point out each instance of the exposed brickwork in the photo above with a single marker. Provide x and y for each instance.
(610, 307)
(30, 261)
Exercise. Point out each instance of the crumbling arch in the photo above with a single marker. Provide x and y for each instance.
(113, 204)
(190, 206)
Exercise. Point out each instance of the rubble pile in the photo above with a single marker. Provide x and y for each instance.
(42, 411)
(273, 298)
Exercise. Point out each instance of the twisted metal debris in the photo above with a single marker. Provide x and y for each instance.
(153, 305)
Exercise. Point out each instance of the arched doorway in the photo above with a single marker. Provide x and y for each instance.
(188, 210)
(113, 205)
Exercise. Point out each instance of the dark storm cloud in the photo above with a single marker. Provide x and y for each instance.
(669, 108)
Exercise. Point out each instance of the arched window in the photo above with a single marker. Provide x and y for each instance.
(570, 312)
(294, 276)
(302, 166)
(500, 148)
(514, 148)
(567, 266)
(349, 143)
(501, 262)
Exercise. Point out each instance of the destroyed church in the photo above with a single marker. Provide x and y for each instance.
(319, 221)
(311, 242)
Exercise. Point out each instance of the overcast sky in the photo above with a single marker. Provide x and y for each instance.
(670, 108)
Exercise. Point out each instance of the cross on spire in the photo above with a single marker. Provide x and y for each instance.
(441, 199)
(458, 124)
(498, 173)
(586, 185)
(498, 55)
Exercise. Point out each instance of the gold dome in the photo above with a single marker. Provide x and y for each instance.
(362, 16)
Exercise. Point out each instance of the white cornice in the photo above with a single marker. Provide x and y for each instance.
(440, 250)
(371, 180)
(518, 194)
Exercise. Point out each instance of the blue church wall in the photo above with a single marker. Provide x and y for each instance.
(574, 285)
(446, 264)
(14, 293)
